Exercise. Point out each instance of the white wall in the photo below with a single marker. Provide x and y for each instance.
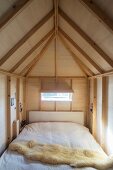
(3, 113)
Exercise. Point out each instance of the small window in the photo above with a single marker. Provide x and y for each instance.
(56, 96)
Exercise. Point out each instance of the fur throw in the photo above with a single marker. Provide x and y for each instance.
(58, 154)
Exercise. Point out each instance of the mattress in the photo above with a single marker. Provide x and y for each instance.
(68, 134)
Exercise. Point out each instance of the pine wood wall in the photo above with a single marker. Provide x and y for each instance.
(100, 121)
(10, 89)
(79, 99)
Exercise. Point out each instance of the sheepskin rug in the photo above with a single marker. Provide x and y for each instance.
(58, 154)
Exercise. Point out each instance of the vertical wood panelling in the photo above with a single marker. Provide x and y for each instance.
(79, 102)
(94, 107)
(110, 116)
(13, 104)
(17, 98)
(88, 103)
(24, 98)
(99, 111)
(79, 95)
(8, 109)
(90, 116)
(21, 99)
(3, 114)
(104, 112)
(33, 94)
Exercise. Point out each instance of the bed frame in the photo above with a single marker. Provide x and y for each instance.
(56, 116)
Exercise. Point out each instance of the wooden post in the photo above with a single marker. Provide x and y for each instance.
(17, 99)
(104, 112)
(24, 98)
(71, 81)
(8, 110)
(88, 103)
(94, 107)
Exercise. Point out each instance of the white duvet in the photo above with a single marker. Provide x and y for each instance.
(68, 134)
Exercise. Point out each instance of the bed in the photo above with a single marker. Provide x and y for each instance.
(70, 134)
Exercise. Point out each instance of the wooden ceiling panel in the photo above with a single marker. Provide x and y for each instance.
(28, 45)
(33, 14)
(96, 40)
(84, 19)
(40, 8)
(81, 51)
(5, 6)
(44, 67)
(66, 65)
(101, 15)
(9, 36)
(106, 6)
(86, 62)
(84, 45)
(28, 60)
(41, 32)
(14, 9)
(89, 23)
(16, 57)
(16, 30)
(64, 62)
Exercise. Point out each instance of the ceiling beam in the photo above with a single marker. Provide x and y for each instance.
(86, 37)
(31, 51)
(13, 11)
(98, 13)
(56, 16)
(55, 2)
(26, 37)
(10, 74)
(58, 77)
(107, 73)
(83, 67)
(85, 55)
(30, 66)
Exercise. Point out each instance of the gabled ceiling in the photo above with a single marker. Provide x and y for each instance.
(56, 37)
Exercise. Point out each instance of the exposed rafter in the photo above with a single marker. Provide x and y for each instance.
(108, 73)
(55, 2)
(10, 74)
(83, 67)
(31, 51)
(86, 37)
(29, 67)
(56, 16)
(103, 18)
(27, 36)
(81, 51)
(16, 7)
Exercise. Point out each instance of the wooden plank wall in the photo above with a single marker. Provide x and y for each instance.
(79, 100)
(101, 118)
(3, 113)
(10, 89)
(110, 116)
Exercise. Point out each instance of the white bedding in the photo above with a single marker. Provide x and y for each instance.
(69, 134)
